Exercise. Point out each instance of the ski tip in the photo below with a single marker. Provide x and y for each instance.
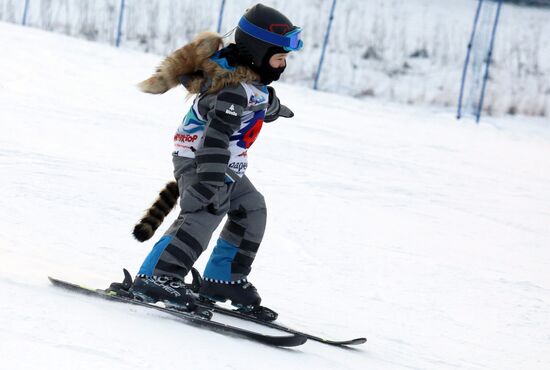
(351, 342)
(289, 341)
(301, 339)
(292, 340)
(358, 341)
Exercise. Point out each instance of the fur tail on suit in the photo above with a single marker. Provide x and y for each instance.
(154, 216)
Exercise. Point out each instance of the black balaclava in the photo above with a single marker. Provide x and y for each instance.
(267, 73)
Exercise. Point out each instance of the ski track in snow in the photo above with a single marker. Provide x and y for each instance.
(426, 235)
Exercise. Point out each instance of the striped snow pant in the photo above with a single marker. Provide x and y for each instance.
(231, 259)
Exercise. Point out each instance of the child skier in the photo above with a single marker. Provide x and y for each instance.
(210, 160)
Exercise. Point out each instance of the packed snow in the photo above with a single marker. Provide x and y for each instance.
(427, 235)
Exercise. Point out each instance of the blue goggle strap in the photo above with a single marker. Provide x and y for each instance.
(289, 43)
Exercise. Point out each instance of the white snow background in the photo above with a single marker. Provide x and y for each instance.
(427, 235)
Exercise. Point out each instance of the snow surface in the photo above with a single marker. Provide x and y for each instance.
(427, 235)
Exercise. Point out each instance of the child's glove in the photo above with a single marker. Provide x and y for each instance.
(276, 109)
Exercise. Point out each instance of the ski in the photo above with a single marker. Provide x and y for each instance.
(292, 340)
(243, 316)
(195, 286)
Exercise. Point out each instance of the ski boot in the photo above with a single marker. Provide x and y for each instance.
(170, 291)
(242, 295)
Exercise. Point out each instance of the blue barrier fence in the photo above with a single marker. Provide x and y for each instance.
(25, 13)
(325, 43)
(487, 57)
(467, 61)
(121, 12)
(220, 18)
(120, 20)
(488, 61)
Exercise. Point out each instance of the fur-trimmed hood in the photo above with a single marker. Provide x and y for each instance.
(191, 58)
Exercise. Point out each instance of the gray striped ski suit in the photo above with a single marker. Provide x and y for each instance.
(210, 160)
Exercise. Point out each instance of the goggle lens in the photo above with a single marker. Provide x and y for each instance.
(295, 39)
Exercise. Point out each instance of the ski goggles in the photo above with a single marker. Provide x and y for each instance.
(290, 41)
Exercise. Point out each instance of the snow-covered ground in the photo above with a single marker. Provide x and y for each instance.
(427, 235)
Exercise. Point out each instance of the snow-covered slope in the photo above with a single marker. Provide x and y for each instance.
(427, 235)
